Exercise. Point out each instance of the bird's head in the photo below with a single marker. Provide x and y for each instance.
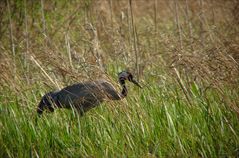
(46, 103)
(125, 75)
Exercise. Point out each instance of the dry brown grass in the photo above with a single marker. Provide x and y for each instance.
(58, 43)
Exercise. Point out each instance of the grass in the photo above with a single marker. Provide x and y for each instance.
(155, 122)
(184, 53)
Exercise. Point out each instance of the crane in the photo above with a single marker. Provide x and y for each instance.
(85, 96)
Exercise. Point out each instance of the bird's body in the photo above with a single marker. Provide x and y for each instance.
(82, 96)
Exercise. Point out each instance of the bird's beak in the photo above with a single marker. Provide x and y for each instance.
(136, 83)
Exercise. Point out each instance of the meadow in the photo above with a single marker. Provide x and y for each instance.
(184, 53)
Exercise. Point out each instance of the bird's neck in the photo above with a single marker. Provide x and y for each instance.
(124, 91)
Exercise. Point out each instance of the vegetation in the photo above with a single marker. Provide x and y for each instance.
(185, 53)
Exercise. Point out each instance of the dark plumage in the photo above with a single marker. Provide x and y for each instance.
(85, 96)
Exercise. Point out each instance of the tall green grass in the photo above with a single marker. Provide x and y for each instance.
(184, 52)
(154, 122)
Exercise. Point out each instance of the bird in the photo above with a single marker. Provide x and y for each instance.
(86, 95)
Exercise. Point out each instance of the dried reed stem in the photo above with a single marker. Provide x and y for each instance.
(201, 22)
(12, 38)
(135, 39)
(68, 49)
(155, 23)
(182, 85)
(178, 23)
(43, 17)
(189, 25)
(111, 15)
(45, 73)
(27, 43)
